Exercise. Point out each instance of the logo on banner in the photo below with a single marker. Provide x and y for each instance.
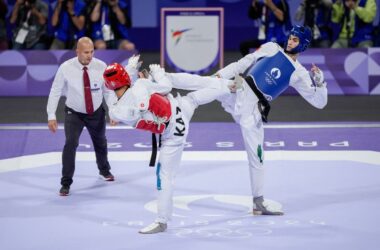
(177, 34)
(192, 42)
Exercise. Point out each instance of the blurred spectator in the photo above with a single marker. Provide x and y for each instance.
(3, 30)
(50, 29)
(110, 23)
(29, 18)
(68, 21)
(275, 23)
(376, 36)
(316, 14)
(355, 18)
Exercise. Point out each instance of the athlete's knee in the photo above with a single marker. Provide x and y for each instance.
(192, 99)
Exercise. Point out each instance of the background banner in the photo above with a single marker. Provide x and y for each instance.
(192, 39)
(347, 71)
(31, 73)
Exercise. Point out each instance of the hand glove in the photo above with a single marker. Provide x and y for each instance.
(238, 80)
(133, 67)
(318, 78)
(156, 72)
(236, 84)
(133, 62)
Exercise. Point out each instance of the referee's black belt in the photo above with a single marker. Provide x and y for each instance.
(79, 113)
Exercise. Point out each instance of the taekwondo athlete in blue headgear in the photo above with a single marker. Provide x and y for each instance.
(270, 76)
(260, 77)
(304, 36)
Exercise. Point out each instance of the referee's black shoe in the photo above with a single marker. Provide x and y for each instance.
(64, 191)
(107, 176)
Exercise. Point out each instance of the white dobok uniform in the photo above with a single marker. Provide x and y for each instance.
(142, 108)
(243, 105)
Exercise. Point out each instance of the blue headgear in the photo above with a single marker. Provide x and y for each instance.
(304, 35)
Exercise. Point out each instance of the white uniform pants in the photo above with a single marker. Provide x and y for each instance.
(243, 107)
(172, 148)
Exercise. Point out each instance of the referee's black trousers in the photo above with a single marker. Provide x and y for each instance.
(96, 126)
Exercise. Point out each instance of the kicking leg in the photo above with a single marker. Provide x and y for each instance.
(207, 95)
(195, 82)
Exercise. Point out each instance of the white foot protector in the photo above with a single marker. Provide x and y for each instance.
(263, 206)
(155, 227)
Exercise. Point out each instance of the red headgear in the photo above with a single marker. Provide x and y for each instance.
(116, 76)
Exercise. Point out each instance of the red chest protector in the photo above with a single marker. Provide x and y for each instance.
(160, 107)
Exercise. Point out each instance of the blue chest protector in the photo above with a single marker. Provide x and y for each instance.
(272, 75)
